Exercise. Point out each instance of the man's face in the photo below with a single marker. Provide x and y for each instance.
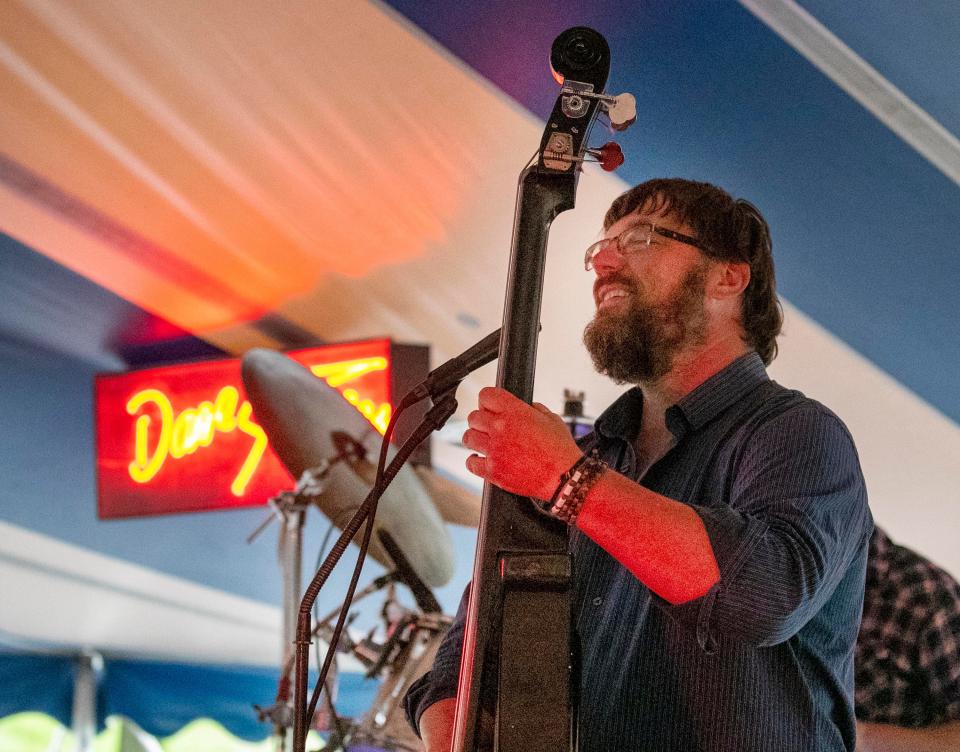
(650, 303)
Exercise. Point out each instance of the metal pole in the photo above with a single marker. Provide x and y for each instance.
(86, 677)
(290, 551)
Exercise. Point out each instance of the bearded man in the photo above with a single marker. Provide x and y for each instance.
(719, 523)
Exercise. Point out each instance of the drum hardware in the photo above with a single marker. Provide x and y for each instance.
(308, 424)
(412, 639)
(322, 440)
(407, 656)
(289, 508)
(319, 437)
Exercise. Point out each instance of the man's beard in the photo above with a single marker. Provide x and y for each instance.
(639, 344)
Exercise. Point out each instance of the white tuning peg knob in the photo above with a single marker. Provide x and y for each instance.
(622, 111)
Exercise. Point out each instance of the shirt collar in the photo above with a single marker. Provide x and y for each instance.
(622, 419)
(694, 410)
(721, 390)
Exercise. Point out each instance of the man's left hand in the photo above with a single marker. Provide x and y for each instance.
(523, 449)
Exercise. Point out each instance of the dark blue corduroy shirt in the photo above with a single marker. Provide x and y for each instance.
(764, 661)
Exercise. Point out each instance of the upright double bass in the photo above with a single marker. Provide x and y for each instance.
(518, 646)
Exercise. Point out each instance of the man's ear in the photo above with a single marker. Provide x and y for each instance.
(728, 279)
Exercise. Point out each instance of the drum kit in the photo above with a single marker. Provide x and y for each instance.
(325, 442)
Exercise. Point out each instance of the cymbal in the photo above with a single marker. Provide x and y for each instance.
(301, 416)
(455, 503)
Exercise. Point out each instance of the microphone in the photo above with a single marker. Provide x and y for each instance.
(455, 370)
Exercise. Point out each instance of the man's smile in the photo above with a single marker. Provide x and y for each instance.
(610, 294)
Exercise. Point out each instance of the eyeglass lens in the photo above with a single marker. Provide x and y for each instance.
(629, 241)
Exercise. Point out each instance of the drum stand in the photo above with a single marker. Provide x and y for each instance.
(290, 508)
(406, 656)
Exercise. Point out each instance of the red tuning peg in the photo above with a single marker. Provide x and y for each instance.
(610, 156)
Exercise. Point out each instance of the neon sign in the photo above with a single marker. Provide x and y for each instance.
(190, 429)
(184, 438)
(339, 374)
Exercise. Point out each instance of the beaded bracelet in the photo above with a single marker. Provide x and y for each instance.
(571, 493)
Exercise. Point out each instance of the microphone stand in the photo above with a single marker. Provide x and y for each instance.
(445, 405)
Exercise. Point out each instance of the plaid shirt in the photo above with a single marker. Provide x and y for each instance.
(908, 651)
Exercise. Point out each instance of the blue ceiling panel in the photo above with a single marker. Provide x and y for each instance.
(864, 227)
(46, 305)
(914, 44)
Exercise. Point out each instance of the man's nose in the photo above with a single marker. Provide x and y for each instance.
(607, 259)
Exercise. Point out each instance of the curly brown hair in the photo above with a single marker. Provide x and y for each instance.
(731, 230)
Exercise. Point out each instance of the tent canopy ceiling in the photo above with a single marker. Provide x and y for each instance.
(180, 179)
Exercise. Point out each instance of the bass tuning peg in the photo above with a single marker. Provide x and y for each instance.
(610, 155)
(622, 110)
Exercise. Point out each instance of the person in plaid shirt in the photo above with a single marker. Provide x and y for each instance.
(907, 654)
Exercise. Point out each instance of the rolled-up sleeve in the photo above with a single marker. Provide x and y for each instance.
(796, 520)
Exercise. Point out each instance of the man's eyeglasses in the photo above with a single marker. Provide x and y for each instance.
(635, 239)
